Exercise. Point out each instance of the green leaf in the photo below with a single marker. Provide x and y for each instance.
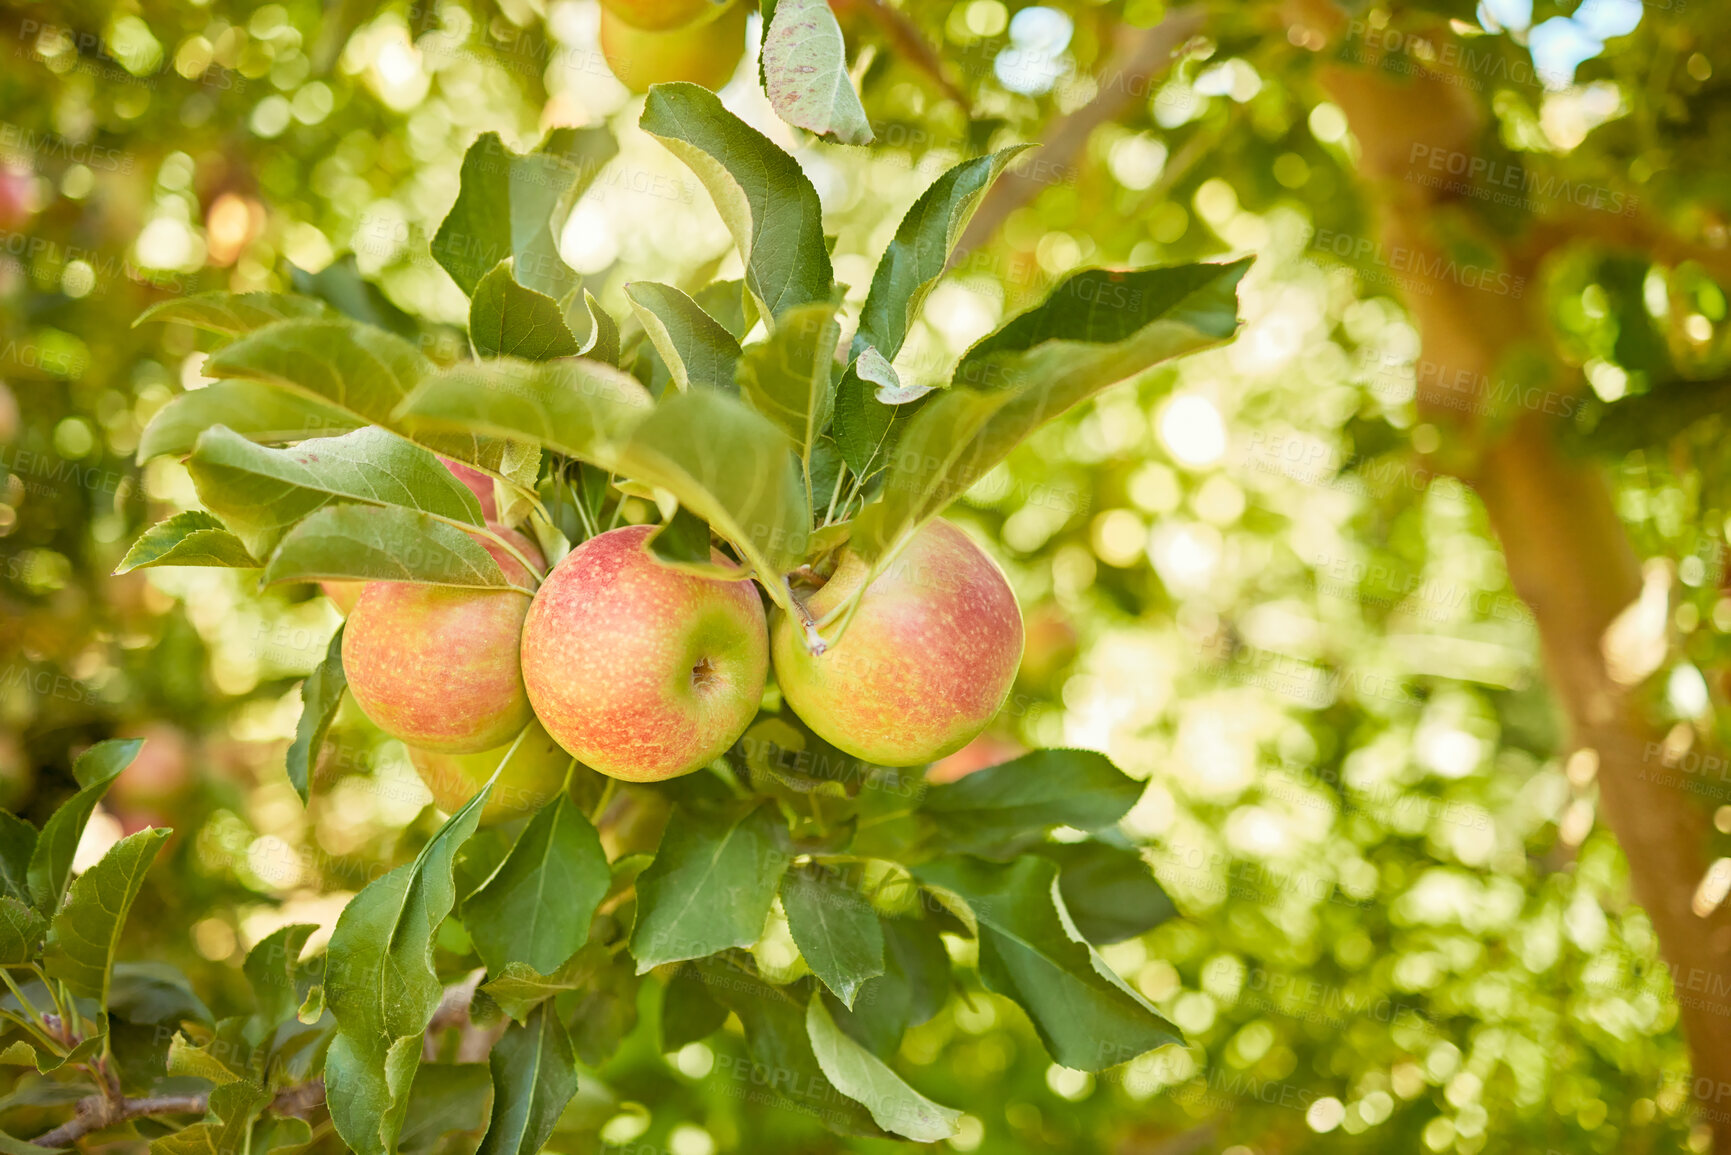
(603, 1011)
(770, 207)
(383, 543)
(866, 424)
(519, 988)
(1110, 891)
(580, 408)
(805, 72)
(17, 843)
(1102, 318)
(190, 538)
(507, 319)
(783, 1063)
(321, 695)
(273, 966)
(1097, 328)
(21, 929)
(861, 1075)
(1005, 808)
(85, 933)
(688, 1011)
(601, 331)
(260, 492)
(154, 993)
(537, 905)
(730, 304)
(258, 412)
(698, 349)
(1029, 952)
(682, 543)
(836, 930)
(232, 314)
(710, 886)
(188, 1060)
(341, 285)
(381, 986)
(731, 467)
(359, 369)
(50, 863)
(445, 1098)
(507, 208)
(913, 987)
(363, 371)
(534, 1076)
(920, 251)
(790, 377)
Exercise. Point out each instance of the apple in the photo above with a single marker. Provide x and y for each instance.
(925, 662)
(705, 54)
(436, 666)
(663, 15)
(989, 749)
(641, 671)
(535, 773)
(480, 484)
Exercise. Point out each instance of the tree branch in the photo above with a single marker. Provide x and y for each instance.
(99, 1111)
(1139, 58)
(96, 1112)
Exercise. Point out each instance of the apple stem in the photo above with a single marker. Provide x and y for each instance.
(814, 643)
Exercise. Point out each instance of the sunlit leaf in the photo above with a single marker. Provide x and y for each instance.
(805, 72)
(382, 543)
(861, 1075)
(506, 319)
(1085, 1014)
(768, 203)
(698, 349)
(709, 888)
(190, 538)
(84, 936)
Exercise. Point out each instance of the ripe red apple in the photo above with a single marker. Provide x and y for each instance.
(436, 666)
(641, 671)
(532, 777)
(480, 484)
(662, 15)
(925, 662)
(703, 54)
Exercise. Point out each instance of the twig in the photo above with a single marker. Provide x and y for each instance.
(1139, 58)
(99, 1111)
(905, 38)
(96, 1112)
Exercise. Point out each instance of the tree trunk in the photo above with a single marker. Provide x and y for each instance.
(1568, 554)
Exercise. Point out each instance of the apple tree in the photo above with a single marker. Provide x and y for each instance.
(489, 491)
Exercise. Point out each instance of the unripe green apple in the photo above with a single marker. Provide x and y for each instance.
(641, 671)
(664, 15)
(531, 778)
(925, 662)
(436, 666)
(705, 54)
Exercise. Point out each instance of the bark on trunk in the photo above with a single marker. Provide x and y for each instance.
(1568, 555)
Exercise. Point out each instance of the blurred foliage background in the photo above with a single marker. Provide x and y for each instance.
(1251, 579)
